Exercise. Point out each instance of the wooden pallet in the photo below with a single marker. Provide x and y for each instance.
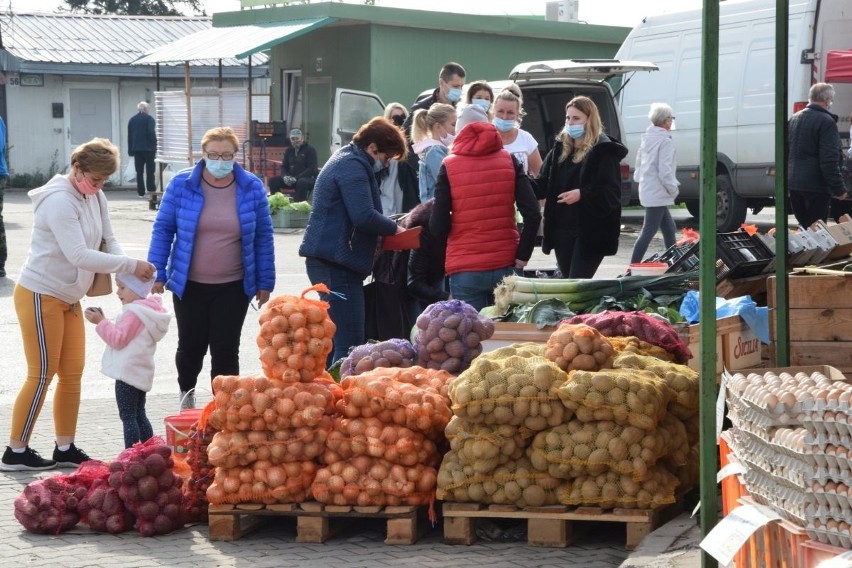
(314, 521)
(552, 526)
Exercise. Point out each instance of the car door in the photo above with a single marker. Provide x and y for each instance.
(352, 109)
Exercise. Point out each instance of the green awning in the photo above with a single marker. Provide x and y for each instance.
(230, 42)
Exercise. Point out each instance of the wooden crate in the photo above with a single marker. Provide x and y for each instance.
(732, 334)
(315, 522)
(815, 553)
(820, 310)
(778, 544)
(552, 526)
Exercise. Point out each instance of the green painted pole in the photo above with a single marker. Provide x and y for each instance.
(782, 295)
(709, 512)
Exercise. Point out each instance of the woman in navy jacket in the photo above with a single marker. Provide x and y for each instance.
(345, 225)
(213, 248)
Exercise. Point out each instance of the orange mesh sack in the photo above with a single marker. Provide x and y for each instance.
(483, 448)
(680, 379)
(263, 482)
(578, 346)
(295, 336)
(352, 437)
(610, 489)
(398, 396)
(240, 449)
(366, 481)
(514, 483)
(258, 403)
(625, 396)
(632, 344)
(579, 449)
(516, 391)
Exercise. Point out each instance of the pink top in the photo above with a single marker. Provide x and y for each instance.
(119, 333)
(217, 257)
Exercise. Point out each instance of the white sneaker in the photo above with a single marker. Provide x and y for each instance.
(187, 399)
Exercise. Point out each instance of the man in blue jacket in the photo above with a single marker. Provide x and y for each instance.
(814, 176)
(142, 145)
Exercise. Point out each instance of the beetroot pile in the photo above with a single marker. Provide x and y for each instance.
(138, 490)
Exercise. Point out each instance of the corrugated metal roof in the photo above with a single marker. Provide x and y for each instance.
(88, 39)
(233, 41)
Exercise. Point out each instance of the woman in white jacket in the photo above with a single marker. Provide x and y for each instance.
(656, 166)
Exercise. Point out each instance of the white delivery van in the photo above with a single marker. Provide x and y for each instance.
(745, 164)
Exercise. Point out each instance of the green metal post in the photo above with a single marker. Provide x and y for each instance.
(782, 296)
(709, 512)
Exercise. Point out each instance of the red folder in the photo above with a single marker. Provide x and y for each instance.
(406, 240)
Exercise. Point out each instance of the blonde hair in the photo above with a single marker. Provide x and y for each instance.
(395, 106)
(425, 120)
(508, 94)
(220, 134)
(98, 156)
(580, 148)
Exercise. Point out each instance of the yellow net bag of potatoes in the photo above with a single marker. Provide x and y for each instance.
(632, 344)
(517, 391)
(577, 449)
(610, 489)
(482, 447)
(579, 346)
(680, 379)
(514, 483)
(523, 349)
(625, 396)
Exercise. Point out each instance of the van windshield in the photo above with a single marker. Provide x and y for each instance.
(545, 112)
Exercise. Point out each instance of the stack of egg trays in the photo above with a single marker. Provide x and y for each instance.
(791, 503)
(784, 464)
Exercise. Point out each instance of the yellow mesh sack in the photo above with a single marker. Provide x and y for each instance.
(483, 448)
(514, 483)
(518, 391)
(352, 437)
(610, 489)
(673, 431)
(579, 346)
(578, 449)
(625, 396)
(523, 349)
(688, 474)
(632, 344)
(236, 449)
(681, 380)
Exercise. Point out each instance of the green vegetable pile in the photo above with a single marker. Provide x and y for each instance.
(279, 202)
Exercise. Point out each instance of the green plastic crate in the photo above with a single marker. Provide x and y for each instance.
(290, 219)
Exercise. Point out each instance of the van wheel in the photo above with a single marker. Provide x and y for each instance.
(731, 209)
(692, 207)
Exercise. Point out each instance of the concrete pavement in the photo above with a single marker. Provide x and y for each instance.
(99, 433)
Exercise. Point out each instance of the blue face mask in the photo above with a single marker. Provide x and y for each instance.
(454, 95)
(378, 166)
(481, 103)
(503, 125)
(575, 130)
(219, 168)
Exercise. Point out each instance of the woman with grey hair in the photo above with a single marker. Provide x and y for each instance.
(656, 166)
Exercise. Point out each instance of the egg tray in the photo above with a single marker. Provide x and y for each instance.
(822, 441)
(791, 503)
(832, 537)
(830, 505)
(768, 439)
(749, 421)
(830, 466)
(833, 402)
(780, 409)
(828, 423)
(781, 473)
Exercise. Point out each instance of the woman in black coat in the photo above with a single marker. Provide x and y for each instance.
(426, 264)
(580, 181)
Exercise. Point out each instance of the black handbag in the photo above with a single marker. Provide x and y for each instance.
(386, 301)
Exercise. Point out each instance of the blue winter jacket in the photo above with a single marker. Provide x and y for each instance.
(173, 235)
(346, 219)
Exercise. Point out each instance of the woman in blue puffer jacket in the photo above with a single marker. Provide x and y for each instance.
(212, 246)
(345, 225)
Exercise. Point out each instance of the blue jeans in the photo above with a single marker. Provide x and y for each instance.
(131, 410)
(477, 288)
(348, 312)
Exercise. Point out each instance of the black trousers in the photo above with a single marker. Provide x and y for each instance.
(809, 207)
(572, 260)
(300, 189)
(144, 161)
(210, 316)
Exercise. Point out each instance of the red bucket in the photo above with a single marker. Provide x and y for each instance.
(177, 430)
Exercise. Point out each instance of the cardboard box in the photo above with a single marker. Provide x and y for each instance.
(842, 233)
(741, 349)
(724, 327)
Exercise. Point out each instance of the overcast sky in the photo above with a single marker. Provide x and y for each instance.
(605, 12)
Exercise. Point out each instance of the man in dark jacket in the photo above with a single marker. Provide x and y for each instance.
(142, 145)
(298, 170)
(814, 176)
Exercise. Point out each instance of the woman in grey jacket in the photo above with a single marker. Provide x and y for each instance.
(656, 166)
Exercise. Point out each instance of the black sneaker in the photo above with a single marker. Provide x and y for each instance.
(28, 460)
(72, 457)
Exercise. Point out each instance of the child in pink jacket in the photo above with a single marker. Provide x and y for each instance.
(129, 355)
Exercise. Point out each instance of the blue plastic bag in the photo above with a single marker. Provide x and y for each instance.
(756, 317)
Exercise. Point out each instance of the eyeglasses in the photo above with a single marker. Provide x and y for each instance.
(217, 156)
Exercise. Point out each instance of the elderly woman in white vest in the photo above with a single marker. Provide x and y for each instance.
(656, 166)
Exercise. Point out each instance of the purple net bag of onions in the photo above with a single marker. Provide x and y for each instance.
(449, 335)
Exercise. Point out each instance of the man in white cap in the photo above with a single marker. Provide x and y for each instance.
(477, 189)
(298, 170)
